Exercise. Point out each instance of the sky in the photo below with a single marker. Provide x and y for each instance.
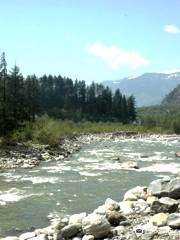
(91, 40)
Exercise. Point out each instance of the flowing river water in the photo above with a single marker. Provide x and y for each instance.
(82, 182)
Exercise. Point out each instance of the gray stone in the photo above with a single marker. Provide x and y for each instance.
(164, 204)
(115, 217)
(159, 219)
(145, 232)
(70, 230)
(40, 237)
(136, 193)
(165, 188)
(174, 220)
(27, 235)
(88, 237)
(111, 205)
(77, 218)
(10, 238)
(101, 210)
(126, 207)
(119, 230)
(96, 225)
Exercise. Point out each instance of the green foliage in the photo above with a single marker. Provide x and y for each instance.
(23, 99)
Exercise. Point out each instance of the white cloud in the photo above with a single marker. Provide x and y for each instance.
(171, 29)
(116, 57)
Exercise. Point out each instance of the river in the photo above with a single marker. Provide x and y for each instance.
(82, 182)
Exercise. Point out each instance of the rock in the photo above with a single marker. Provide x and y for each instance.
(159, 219)
(111, 205)
(77, 218)
(151, 199)
(88, 237)
(164, 204)
(101, 210)
(130, 164)
(165, 188)
(115, 217)
(177, 154)
(40, 237)
(174, 220)
(135, 194)
(126, 207)
(27, 235)
(145, 232)
(96, 225)
(119, 230)
(70, 230)
(141, 206)
(10, 238)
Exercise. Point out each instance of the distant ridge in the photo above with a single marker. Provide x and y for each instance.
(148, 89)
(173, 98)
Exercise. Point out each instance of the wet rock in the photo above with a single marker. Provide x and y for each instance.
(77, 218)
(177, 154)
(27, 235)
(115, 217)
(174, 220)
(164, 204)
(130, 164)
(159, 219)
(96, 225)
(111, 205)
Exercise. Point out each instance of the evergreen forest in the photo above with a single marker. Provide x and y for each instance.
(24, 98)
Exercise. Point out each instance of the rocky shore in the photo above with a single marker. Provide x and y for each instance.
(151, 212)
(29, 155)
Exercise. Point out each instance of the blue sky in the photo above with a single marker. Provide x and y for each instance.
(93, 39)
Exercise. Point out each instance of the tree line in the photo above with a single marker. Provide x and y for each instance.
(24, 98)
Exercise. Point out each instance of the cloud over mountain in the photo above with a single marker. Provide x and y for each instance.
(116, 57)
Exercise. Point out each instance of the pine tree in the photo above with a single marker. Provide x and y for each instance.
(131, 109)
(3, 82)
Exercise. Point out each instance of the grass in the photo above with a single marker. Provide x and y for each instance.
(46, 130)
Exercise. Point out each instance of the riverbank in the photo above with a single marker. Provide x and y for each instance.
(146, 212)
(29, 155)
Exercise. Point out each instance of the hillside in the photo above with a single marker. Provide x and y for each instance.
(173, 98)
(148, 89)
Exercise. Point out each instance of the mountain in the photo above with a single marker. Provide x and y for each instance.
(148, 89)
(173, 98)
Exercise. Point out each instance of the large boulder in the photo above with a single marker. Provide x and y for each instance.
(96, 225)
(164, 204)
(165, 188)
